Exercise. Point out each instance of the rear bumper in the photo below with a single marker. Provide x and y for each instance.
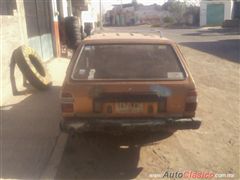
(113, 125)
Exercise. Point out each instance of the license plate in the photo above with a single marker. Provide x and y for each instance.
(129, 107)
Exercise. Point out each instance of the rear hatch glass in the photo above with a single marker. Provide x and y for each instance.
(123, 62)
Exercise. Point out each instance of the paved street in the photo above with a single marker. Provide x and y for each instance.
(214, 40)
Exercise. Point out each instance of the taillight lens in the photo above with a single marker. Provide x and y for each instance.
(67, 107)
(190, 107)
(191, 101)
(67, 102)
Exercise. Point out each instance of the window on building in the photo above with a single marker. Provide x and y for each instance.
(7, 7)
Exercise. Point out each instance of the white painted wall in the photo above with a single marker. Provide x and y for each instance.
(65, 8)
(228, 8)
(89, 16)
(54, 10)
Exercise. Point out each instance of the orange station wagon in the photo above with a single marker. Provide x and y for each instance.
(126, 81)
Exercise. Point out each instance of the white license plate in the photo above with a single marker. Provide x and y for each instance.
(129, 107)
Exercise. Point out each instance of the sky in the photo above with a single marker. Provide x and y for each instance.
(107, 4)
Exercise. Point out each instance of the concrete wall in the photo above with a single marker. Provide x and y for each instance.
(13, 33)
(228, 8)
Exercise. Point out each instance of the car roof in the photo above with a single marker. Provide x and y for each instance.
(136, 38)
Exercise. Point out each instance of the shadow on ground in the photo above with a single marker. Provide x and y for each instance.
(105, 156)
(215, 32)
(29, 128)
(226, 49)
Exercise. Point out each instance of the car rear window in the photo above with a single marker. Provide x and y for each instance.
(121, 61)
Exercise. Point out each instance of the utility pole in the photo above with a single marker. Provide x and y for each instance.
(100, 14)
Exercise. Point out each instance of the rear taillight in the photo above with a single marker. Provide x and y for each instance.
(67, 107)
(67, 102)
(191, 101)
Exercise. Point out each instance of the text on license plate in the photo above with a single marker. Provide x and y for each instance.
(129, 107)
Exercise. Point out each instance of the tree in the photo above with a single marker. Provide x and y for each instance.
(176, 8)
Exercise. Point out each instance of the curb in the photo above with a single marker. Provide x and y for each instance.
(55, 159)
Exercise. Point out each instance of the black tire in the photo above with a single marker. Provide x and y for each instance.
(30, 64)
(73, 32)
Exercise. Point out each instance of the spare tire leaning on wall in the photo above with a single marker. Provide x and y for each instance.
(73, 31)
(30, 64)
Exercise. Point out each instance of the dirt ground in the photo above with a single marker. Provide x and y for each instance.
(214, 59)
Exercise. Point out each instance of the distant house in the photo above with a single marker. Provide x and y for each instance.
(150, 14)
(131, 14)
(215, 12)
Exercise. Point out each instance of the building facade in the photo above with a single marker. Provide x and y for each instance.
(34, 23)
(215, 12)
